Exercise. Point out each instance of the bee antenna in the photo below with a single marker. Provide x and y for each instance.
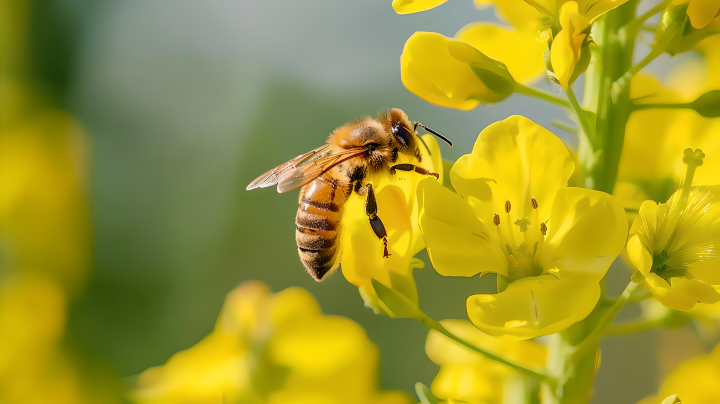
(448, 141)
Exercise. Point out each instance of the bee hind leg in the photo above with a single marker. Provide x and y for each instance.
(411, 167)
(375, 223)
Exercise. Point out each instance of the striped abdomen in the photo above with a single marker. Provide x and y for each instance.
(318, 223)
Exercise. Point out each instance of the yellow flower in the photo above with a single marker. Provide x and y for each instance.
(414, 6)
(701, 12)
(451, 73)
(362, 255)
(673, 244)
(468, 377)
(513, 215)
(271, 349)
(651, 163)
(695, 381)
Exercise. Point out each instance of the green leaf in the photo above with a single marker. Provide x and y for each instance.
(395, 303)
(424, 394)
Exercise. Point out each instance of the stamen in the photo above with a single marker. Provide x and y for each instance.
(541, 243)
(693, 159)
(510, 235)
(535, 205)
(501, 240)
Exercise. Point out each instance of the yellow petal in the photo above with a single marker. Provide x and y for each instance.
(639, 256)
(701, 12)
(513, 160)
(301, 347)
(470, 383)
(458, 244)
(452, 73)
(681, 294)
(442, 350)
(517, 12)
(414, 6)
(593, 9)
(535, 306)
(565, 49)
(586, 232)
(695, 380)
(520, 50)
(362, 252)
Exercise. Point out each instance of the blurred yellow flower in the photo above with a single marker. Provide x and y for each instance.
(362, 259)
(44, 249)
(272, 349)
(651, 161)
(673, 245)
(452, 73)
(513, 215)
(694, 381)
(701, 12)
(414, 6)
(468, 377)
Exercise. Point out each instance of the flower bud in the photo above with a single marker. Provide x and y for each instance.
(452, 73)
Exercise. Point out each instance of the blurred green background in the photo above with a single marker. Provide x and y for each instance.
(184, 103)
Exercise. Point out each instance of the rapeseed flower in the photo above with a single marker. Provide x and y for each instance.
(271, 349)
(651, 164)
(673, 245)
(468, 377)
(482, 62)
(362, 255)
(513, 215)
(694, 381)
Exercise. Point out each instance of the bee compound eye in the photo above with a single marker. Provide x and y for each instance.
(401, 134)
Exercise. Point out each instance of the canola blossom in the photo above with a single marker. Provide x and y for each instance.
(674, 245)
(271, 348)
(514, 216)
(466, 376)
(542, 214)
(362, 259)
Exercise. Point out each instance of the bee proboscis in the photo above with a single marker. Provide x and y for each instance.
(352, 155)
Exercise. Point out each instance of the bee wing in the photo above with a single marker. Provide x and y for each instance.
(301, 175)
(272, 177)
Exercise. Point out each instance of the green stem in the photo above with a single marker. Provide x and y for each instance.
(596, 334)
(564, 126)
(646, 60)
(640, 107)
(541, 95)
(637, 24)
(580, 113)
(434, 325)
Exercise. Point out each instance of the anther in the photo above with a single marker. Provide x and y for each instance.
(534, 203)
(543, 229)
(496, 220)
(507, 206)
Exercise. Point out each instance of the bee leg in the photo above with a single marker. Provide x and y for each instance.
(359, 188)
(410, 167)
(375, 223)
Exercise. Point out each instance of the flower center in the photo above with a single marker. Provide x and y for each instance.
(523, 258)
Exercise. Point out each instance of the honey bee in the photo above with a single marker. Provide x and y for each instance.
(348, 161)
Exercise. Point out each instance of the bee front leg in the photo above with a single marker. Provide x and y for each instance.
(410, 167)
(375, 223)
